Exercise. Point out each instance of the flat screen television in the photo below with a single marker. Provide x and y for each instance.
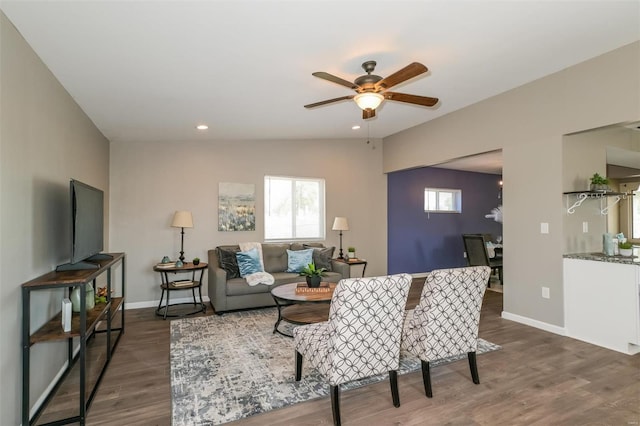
(87, 226)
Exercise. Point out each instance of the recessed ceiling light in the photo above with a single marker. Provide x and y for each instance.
(202, 127)
(356, 127)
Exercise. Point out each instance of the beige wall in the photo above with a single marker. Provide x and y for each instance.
(149, 181)
(528, 124)
(45, 139)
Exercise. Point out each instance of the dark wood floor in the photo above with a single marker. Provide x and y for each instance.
(538, 378)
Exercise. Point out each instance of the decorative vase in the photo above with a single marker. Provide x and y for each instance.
(314, 281)
(179, 264)
(351, 254)
(90, 299)
(165, 259)
(196, 261)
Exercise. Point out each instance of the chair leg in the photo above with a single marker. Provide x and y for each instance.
(473, 365)
(426, 378)
(335, 403)
(393, 380)
(298, 366)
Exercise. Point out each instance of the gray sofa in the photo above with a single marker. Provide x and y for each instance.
(228, 292)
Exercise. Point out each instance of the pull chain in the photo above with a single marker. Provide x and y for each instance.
(369, 136)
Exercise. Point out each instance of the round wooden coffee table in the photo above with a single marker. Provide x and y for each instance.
(301, 308)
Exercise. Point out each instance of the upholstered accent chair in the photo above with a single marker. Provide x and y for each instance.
(361, 337)
(475, 245)
(445, 321)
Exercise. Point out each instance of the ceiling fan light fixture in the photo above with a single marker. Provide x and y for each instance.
(368, 100)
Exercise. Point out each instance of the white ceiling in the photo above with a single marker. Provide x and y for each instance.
(152, 70)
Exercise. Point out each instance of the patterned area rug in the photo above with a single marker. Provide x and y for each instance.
(224, 368)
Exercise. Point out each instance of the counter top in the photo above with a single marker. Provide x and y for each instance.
(601, 257)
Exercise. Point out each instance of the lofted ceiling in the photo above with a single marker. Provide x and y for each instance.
(152, 70)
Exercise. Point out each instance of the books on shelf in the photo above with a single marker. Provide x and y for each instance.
(166, 265)
(182, 283)
(303, 288)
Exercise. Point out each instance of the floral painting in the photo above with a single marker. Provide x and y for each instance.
(236, 206)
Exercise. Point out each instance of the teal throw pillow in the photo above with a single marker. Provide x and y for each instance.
(299, 259)
(249, 262)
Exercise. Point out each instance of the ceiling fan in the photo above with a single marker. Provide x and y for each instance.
(372, 89)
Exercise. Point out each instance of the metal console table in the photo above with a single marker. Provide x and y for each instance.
(84, 324)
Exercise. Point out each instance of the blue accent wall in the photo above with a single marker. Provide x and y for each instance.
(421, 242)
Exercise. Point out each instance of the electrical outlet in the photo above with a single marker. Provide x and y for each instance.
(544, 228)
(585, 227)
(465, 254)
(545, 293)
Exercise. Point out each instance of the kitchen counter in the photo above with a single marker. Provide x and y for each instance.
(601, 257)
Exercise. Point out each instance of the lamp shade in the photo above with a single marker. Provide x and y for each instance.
(340, 224)
(368, 100)
(182, 219)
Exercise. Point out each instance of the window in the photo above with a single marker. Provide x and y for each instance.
(442, 200)
(635, 215)
(293, 208)
(630, 211)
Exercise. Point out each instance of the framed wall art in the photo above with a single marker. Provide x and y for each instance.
(236, 206)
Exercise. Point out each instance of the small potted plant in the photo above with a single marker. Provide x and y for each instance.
(626, 248)
(351, 252)
(196, 260)
(312, 274)
(599, 183)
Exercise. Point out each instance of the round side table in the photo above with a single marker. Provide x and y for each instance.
(185, 284)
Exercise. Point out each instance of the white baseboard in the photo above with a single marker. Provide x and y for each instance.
(420, 275)
(154, 303)
(535, 323)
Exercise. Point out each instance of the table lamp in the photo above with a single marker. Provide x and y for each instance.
(182, 219)
(340, 224)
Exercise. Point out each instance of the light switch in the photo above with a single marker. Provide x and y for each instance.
(585, 227)
(545, 293)
(544, 228)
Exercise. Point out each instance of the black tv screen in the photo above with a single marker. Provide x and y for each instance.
(87, 221)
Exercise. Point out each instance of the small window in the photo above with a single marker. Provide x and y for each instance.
(293, 208)
(442, 200)
(635, 216)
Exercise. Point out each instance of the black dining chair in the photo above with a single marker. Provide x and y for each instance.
(475, 245)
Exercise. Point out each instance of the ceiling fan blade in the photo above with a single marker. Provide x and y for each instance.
(368, 113)
(412, 70)
(328, 101)
(410, 99)
(332, 78)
